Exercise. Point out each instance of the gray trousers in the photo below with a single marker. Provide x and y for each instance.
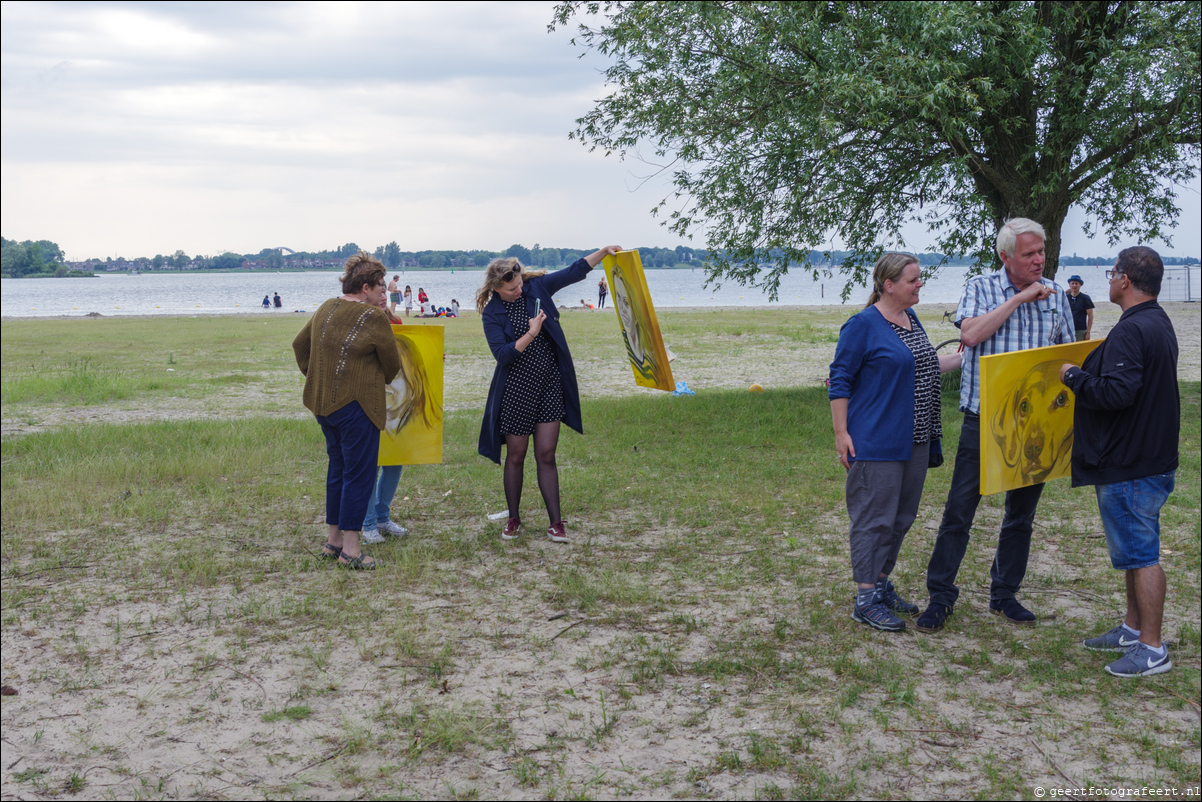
(882, 502)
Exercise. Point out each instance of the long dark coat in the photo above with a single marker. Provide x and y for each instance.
(499, 333)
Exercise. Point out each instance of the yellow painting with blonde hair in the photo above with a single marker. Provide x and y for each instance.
(412, 434)
(636, 317)
(1027, 416)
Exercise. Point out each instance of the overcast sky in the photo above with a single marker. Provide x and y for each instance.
(133, 129)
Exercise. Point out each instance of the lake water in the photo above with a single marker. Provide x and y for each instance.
(232, 293)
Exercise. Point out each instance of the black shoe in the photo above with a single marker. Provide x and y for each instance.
(1015, 613)
(933, 618)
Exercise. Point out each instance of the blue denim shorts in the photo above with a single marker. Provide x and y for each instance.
(1131, 517)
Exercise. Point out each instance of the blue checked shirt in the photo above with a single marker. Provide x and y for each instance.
(1033, 325)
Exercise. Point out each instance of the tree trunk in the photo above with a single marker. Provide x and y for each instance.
(1052, 222)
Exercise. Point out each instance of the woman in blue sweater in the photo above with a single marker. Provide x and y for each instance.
(534, 385)
(884, 392)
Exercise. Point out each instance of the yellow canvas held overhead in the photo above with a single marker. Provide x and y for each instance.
(413, 432)
(637, 321)
(1027, 416)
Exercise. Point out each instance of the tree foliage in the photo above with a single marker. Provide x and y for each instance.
(29, 258)
(787, 124)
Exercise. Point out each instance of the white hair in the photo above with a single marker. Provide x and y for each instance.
(1008, 236)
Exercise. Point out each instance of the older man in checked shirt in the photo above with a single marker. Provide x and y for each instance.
(1011, 309)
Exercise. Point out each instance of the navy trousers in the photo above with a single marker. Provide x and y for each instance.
(1014, 539)
(353, 445)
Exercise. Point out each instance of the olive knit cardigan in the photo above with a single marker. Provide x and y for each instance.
(347, 353)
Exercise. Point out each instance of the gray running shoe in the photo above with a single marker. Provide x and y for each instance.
(877, 616)
(370, 537)
(1116, 640)
(1140, 661)
(394, 529)
(888, 597)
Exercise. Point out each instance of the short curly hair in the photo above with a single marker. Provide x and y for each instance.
(362, 270)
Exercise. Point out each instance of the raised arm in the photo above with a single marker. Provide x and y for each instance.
(595, 258)
(554, 282)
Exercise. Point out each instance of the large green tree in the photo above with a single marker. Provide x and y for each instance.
(786, 124)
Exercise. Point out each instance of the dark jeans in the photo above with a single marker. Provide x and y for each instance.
(353, 445)
(1014, 539)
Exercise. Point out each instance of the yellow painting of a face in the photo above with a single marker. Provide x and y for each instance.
(636, 317)
(412, 434)
(1027, 416)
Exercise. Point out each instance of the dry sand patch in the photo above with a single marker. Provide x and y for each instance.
(489, 675)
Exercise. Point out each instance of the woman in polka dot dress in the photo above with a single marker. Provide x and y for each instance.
(534, 385)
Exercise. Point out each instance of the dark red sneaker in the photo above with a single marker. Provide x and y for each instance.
(558, 532)
(512, 527)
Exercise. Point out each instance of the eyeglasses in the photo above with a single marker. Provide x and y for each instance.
(1113, 274)
(508, 275)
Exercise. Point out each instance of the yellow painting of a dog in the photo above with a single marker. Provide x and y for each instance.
(1027, 416)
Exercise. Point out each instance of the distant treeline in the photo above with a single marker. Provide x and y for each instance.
(45, 258)
(30, 258)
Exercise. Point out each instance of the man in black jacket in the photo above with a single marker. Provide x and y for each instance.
(1126, 425)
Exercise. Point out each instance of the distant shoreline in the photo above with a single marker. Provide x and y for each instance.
(923, 310)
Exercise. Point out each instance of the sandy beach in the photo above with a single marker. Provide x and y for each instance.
(196, 649)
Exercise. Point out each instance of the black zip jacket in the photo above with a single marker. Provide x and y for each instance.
(1127, 420)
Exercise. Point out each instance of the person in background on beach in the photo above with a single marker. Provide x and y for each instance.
(602, 291)
(534, 386)
(394, 295)
(347, 353)
(1126, 427)
(1010, 309)
(408, 300)
(884, 393)
(1082, 306)
(266, 302)
(277, 301)
(422, 298)
(378, 521)
(454, 308)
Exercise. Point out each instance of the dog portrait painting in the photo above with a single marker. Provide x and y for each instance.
(1027, 416)
(636, 318)
(412, 433)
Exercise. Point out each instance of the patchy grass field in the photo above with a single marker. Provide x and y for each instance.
(170, 634)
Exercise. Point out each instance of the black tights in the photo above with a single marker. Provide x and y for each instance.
(546, 438)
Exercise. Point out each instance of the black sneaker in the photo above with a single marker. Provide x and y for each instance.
(1015, 613)
(889, 597)
(933, 618)
(876, 615)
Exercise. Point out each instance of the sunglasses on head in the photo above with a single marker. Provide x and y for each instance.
(507, 276)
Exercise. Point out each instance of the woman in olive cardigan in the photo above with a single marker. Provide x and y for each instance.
(347, 353)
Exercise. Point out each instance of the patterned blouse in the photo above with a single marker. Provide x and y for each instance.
(928, 423)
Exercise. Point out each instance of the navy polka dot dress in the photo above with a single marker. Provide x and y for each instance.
(534, 389)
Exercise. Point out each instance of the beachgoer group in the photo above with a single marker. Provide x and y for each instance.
(884, 389)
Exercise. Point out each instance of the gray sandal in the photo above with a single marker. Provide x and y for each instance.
(356, 563)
